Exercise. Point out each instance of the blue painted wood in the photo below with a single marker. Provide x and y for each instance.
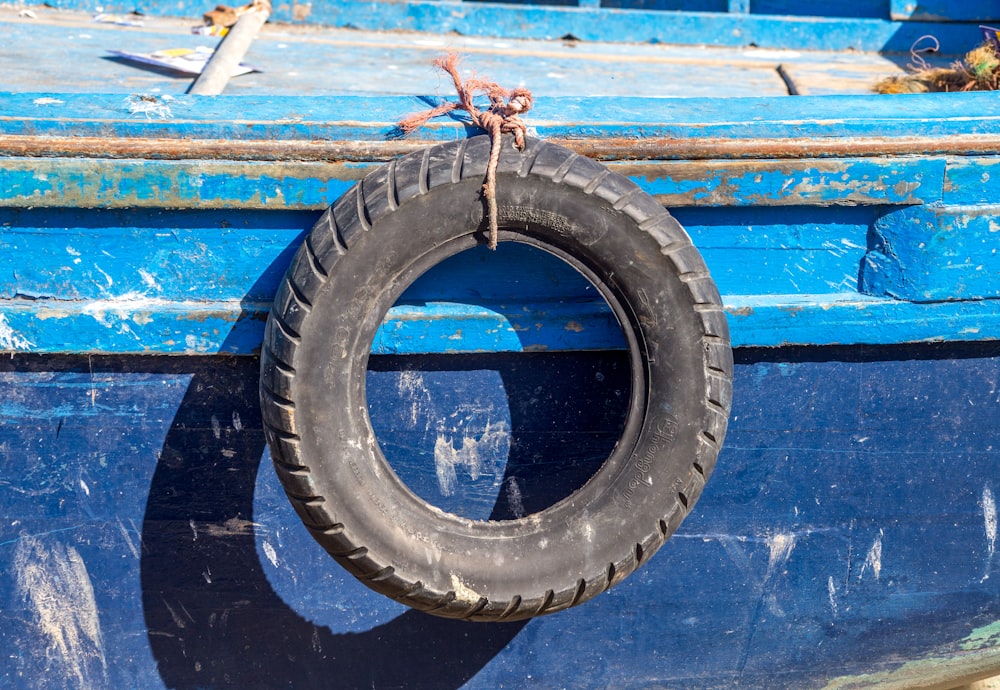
(255, 185)
(935, 253)
(290, 58)
(202, 281)
(943, 11)
(593, 24)
(873, 9)
(843, 532)
(337, 118)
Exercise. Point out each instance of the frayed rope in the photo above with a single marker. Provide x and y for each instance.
(502, 117)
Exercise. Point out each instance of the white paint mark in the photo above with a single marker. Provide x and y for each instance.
(411, 387)
(216, 428)
(148, 279)
(237, 422)
(105, 274)
(831, 590)
(469, 455)
(463, 593)
(83, 485)
(150, 106)
(781, 546)
(271, 554)
(990, 520)
(11, 340)
(874, 558)
(46, 101)
(71, 251)
(194, 530)
(207, 575)
(53, 580)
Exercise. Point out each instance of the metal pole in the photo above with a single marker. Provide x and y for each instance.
(233, 46)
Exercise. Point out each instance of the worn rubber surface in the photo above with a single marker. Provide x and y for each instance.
(374, 242)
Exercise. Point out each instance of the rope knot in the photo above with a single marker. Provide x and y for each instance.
(502, 117)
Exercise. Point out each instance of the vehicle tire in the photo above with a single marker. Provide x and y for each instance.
(394, 225)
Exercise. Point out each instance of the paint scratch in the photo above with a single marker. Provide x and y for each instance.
(990, 520)
(874, 558)
(831, 590)
(271, 554)
(53, 579)
(470, 455)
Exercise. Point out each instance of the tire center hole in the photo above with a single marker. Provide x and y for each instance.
(498, 383)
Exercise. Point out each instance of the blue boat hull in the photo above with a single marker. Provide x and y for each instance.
(844, 531)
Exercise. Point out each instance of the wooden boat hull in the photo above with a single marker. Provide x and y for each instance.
(846, 539)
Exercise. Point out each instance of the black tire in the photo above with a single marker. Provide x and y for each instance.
(365, 250)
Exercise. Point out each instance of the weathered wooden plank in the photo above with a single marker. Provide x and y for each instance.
(254, 185)
(190, 258)
(850, 120)
(755, 320)
(971, 180)
(301, 60)
(596, 24)
(808, 182)
(934, 253)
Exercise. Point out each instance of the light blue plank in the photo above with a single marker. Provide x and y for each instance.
(358, 118)
(755, 320)
(793, 183)
(274, 185)
(933, 253)
(971, 180)
(303, 61)
(850, 318)
(179, 258)
(591, 24)
(185, 260)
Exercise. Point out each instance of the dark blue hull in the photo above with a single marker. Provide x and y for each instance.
(845, 531)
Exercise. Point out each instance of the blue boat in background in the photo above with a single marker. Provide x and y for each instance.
(847, 537)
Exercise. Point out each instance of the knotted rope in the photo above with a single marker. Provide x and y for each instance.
(502, 117)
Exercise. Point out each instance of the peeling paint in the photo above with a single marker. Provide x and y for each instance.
(10, 340)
